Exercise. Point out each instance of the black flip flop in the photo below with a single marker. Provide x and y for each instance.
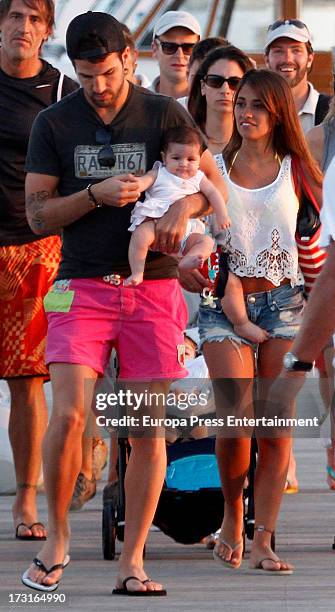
(31, 537)
(124, 590)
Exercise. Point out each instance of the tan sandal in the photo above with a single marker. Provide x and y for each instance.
(232, 548)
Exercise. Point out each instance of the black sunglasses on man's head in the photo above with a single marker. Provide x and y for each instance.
(280, 22)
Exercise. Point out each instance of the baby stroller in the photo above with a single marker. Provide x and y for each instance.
(192, 482)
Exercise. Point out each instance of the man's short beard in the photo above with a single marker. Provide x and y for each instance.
(113, 97)
(298, 78)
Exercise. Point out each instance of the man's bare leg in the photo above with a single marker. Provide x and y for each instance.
(72, 388)
(140, 242)
(27, 425)
(143, 484)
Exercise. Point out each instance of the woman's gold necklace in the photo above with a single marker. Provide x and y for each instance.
(276, 157)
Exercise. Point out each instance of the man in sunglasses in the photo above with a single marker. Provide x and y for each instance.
(84, 155)
(174, 36)
(288, 51)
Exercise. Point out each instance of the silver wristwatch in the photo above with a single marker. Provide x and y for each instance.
(293, 364)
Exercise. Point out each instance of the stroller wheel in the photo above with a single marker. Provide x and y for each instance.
(249, 529)
(108, 531)
(273, 541)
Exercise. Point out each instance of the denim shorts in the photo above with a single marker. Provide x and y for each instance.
(278, 311)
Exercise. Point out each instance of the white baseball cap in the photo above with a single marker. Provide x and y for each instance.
(288, 28)
(176, 19)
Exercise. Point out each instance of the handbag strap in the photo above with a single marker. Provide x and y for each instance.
(295, 176)
(301, 184)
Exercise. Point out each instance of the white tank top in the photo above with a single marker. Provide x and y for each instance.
(261, 238)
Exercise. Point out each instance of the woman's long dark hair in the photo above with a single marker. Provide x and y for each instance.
(197, 104)
(287, 136)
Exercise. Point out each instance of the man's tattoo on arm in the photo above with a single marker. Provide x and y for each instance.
(34, 208)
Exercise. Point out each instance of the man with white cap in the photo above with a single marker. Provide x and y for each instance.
(174, 37)
(289, 51)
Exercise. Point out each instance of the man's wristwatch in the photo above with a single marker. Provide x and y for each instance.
(292, 364)
(92, 199)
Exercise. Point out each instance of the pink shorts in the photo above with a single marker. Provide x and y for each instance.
(145, 324)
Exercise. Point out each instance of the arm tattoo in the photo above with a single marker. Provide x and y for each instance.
(34, 209)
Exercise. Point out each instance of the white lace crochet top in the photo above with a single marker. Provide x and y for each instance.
(261, 238)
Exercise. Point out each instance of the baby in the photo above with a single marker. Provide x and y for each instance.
(177, 177)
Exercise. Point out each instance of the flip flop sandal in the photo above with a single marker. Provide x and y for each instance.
(290, 488)
(40, 586)
(29, 537)
(125, 591)
(259, 567)
(218, 557)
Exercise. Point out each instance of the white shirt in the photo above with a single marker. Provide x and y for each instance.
(307, 112)
(327, 214)
(183, 101)
(261, 239)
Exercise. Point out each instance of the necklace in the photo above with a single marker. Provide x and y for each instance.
(276, 157)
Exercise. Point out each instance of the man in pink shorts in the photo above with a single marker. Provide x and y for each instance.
(83, 155)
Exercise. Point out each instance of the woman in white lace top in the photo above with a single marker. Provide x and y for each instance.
(261, 251)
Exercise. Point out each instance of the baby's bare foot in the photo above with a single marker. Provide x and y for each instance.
(191, 262)
(133, 280)
(252, 332)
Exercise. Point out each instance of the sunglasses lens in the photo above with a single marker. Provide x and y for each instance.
(214, 80)
(187, 48)
(233, 82)
(106, 157)
(169, 48)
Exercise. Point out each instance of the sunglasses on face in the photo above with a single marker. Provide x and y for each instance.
(106, 156)
(215, 81)
(280, 22)
(170, 48)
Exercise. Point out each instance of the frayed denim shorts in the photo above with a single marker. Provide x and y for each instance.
(278, 311)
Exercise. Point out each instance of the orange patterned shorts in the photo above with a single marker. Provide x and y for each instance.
(26, 273)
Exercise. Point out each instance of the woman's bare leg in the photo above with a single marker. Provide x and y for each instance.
(272, 463)
(231, 369)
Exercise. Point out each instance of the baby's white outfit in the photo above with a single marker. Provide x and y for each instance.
(167, 189)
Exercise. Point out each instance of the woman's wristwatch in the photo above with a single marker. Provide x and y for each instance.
(293, 364)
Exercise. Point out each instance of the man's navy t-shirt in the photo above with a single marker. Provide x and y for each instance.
(64, 144)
